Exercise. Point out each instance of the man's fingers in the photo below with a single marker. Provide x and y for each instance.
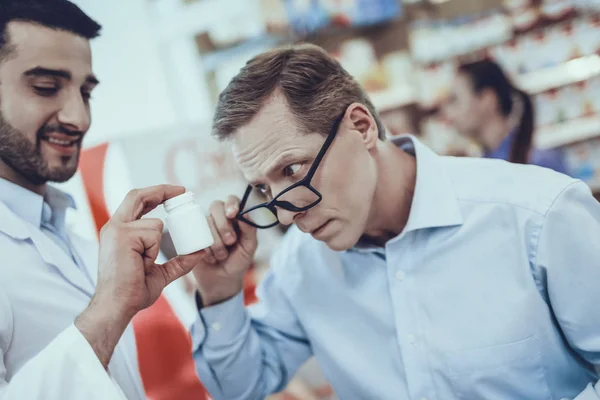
(232, 207)
(223, 225)
(218, 248)
(139, 202)
(179, 266)
(247, 236)
(153, 224)
(150, 239)
(209, 256)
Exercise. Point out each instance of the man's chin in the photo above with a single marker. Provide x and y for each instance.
(60, 175)
(60, 170)
(340, 242)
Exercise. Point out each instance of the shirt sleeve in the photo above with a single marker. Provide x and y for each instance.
(568, 258)
(66, 369)
(249, 353)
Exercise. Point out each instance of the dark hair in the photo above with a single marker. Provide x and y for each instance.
(313, 83)
(486, 74)
(55, 14)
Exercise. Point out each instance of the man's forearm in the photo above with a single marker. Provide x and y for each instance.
(102, 326)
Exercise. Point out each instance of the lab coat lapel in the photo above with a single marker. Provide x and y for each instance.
(50, 252)
(88, 251)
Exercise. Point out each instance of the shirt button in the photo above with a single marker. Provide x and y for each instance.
(216, 327)
(412, 339)
(424, 398)
(400, 275)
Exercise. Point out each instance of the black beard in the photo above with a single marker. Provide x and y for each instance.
(26, 158)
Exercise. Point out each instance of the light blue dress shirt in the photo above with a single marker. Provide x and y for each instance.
(490, 292)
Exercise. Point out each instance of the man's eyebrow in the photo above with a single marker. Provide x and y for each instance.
(280, 163)
(92, 80)
(58, 73)
(42, 72)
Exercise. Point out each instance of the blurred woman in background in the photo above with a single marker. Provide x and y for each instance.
(487, 108)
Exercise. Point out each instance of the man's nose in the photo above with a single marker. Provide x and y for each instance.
(286, 217)
(75, 114)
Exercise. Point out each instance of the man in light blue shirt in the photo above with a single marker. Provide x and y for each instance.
(408, 275)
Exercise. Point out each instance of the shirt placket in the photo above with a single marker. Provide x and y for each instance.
(404, 293)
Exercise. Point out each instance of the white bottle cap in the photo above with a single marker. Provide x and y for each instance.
(187, 197)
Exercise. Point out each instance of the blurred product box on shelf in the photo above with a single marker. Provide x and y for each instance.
(388, 79)
(528, 14)
(437, 40)
(232, 29)
(359, 59)
(556, 9)
(451, 9)
(593, 94)
(568, 114)
(311, 16)
(550, 46)
(568, 132)
(587, 5)
(379, 59)
(576, 70)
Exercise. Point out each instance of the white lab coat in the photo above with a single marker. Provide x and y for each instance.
(42, 355)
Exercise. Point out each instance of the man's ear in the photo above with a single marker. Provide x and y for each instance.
(361, 121)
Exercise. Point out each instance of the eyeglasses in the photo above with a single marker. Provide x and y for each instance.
(299, 197)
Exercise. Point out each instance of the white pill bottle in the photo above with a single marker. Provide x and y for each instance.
(187, 224)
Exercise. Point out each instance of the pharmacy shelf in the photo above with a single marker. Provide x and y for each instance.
(568, 132)
(577, 70)
(390, 99)
(216, 59)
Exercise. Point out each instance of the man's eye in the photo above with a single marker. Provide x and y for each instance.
(87, 96)
(46, 91)
(263, 189)
(291, 170)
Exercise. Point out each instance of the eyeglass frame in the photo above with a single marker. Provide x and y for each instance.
(305, 182)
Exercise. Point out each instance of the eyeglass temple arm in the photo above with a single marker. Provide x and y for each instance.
(245, 198)
(325, 147)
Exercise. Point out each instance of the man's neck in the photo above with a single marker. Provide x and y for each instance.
(396, 180)
(494, 132)
(6, 172)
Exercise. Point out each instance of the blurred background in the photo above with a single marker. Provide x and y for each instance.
(162, 64)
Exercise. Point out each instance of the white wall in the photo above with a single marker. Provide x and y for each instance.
(134, 93)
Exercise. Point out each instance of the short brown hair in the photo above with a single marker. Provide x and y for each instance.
(314, 84)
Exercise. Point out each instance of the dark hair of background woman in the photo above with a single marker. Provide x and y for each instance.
(486, 74)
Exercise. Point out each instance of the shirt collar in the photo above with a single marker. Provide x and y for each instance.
(28, 205)
(434, 202)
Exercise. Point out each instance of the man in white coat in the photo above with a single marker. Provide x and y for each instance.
(64, 314)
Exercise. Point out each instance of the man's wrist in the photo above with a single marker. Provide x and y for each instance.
(102, 326)
(211, 299)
